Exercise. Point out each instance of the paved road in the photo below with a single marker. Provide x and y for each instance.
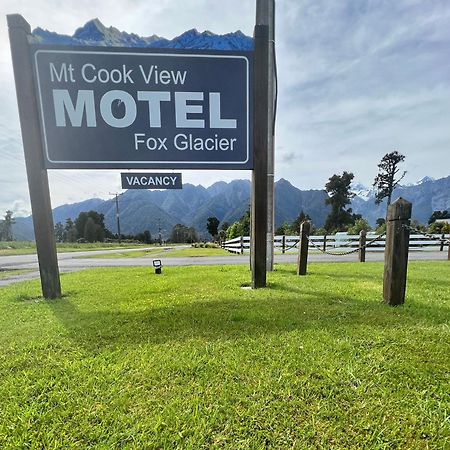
(74, 261)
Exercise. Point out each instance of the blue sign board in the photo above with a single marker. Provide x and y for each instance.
(103, 107)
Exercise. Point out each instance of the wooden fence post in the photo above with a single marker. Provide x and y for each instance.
(448, 254)
(441, 249)
(283, 244)
(396, 252)
(242, 244)
(303, 248)
(362, 246)
(324, 242)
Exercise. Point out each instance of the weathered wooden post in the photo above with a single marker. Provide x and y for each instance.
(263, 73)
(441, 249)
(19, 32)
(324, 242)
(241, 243)
(362, 246)
(283, 244)
(303, 248)
(396, 252)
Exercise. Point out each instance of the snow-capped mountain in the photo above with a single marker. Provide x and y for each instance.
(423, 180)
(366, 193)
(362, 191)
(95, 33)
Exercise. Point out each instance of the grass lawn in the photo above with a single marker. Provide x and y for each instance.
(164, 252)
(188, 359)
(190, 252)
(5, 273)
(26, 247)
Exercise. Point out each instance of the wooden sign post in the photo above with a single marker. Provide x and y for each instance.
(19, 33)
(263, 72)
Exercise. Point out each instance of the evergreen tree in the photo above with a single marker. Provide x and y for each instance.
(212, 225)
(90, 230)
(181, 233)
(385, 182)
(302, 217)
(100, 230)
(144, 237)
(59, 232)
(6, 226)
(70, 231)
(338, 188)
(241, 227)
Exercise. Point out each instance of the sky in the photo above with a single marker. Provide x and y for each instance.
(357, 79)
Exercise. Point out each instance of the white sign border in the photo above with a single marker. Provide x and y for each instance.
(143, 163)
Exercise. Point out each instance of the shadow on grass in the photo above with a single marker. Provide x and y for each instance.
(235, 319)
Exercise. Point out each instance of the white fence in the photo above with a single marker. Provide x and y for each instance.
(287, 244)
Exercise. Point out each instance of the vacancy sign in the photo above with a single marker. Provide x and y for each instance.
(139, 180)
(143, 108)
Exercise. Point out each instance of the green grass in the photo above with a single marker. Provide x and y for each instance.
(157, 251)
(200, 252)
(165, 252)
(6, 273)
(26, 247)
(187, 359)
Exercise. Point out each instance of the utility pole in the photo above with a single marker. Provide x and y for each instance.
(159, 232)
(117, 214)
(263, 106)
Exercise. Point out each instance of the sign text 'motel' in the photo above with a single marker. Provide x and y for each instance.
(125, 108)
(133, 180)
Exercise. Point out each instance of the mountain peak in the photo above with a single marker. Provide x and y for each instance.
(283, 181)
(425, 179)
(94, 32)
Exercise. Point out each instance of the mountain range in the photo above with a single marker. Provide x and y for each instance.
(141, 210)
(150, 210)
(94, 33)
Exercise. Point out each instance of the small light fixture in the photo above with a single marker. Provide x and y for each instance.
(157, 264)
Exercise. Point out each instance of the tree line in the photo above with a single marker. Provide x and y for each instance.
(90, 226)
(341, 217)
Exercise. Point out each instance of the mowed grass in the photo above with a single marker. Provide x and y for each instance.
(9, 273)
(28, 247)
(168, 252)
(188, 359)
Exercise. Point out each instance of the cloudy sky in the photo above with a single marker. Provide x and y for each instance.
(357, 79)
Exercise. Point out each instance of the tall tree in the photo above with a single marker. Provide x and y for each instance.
(181, 233)
(338, 188)
(59, 232)
(296, 224)
(70, 231)
(98, 219)
(387, 179)
(241, 227)
(90, 230)
(212, 225)
(7, 224)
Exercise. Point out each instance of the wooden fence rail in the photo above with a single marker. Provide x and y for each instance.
(289, 244)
